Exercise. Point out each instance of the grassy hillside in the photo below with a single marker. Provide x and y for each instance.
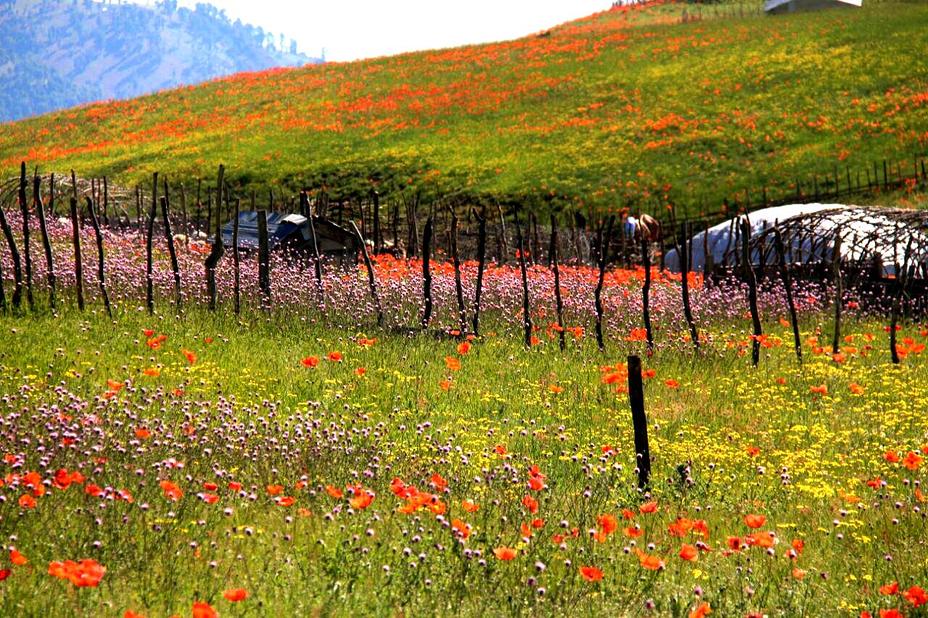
(626, 106)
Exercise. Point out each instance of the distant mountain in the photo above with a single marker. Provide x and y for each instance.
(60, 53)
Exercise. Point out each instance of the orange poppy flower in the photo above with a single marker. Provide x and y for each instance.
(912, 461)
(463, 348)
(310, 361)
(152, 372)
(755, 521)
(672, 384)
(171, 490)
(701, 611)
(531, 504)
(591, 573)
(334, 491)
(647, 561)
(285, 501)
(190, 356)
(505, 553)
(889, 589)
(452, 363)
(469, 506)
(142, 433)
(335, 357)
(17, 558)
(689, 553)
(648, 507)
(819, 390)
(362, 500)
(461, 528)
(202, 609)
(27, 502)
(607, 523)
(856, 388)
(235, 594)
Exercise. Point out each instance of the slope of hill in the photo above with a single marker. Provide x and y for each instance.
(629, 106)
(56, 54)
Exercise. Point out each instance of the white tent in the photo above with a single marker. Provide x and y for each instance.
(789, 6)
(809, 231)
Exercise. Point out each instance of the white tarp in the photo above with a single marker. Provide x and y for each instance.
(789, 6)
(856, 223)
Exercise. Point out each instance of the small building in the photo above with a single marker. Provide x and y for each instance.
(292, 233)
(775, 7)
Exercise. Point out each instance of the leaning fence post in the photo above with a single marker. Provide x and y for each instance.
(149, 265)
(752, 289)
(839, 291)
(646, 295)
(17, 264)
(101, 260)
(602, 251)
(456, 261)
(318, 257)
(215, 254)
(481, 265)
(371, 278)
(236, 262)
(46, 243)
(639, 421)
(264, 266)
(558, 300)
(78, 265)
(172, 253)
(685, 284)
(526, 309)
(788, 286)
(27, 251)
(426, 274)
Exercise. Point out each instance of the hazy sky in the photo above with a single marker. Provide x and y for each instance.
(351, 29)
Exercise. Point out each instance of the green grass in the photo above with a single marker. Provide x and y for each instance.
(617, 109)
(397, 421)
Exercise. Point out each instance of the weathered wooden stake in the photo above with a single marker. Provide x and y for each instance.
(27, 250)
(602, 253)
(149, 263)
(371, 277)
(16, 299)
(752, 289)
(788, 287)
(169, 236)
(526, 309)
(78, 263)
(558, 300)
(481, 265)
(646, 295)
(456, 261)
(639, 421)
(46, 243)
(839, 291)
(684, 253)
(183, 216)
(426, 274)
(101, 258)
(215, 254)
(236, 262)
(378, 235)
(264, 264)
(318, 261)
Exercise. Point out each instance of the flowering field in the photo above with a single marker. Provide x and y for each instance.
(624, 107)
(301, 461)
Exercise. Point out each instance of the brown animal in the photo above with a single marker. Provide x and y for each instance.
(649, 229)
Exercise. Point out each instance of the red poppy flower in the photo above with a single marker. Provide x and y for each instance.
(591, 573)
(505, 553)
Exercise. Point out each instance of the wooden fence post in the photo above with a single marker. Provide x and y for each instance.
(264, 257)
(217, 250)
(684, 254)
(602, 254)
(236, 262)
(16, 299)
(839, 291)
(318, 258)
(788, 286)
(481, 265)
(456, 261)
(502, 246)
(526, 308)
(78, 265)
(378, 234)
(46, 243)
(558, 300)
(149, 265)
(183, 216)
(27, 251)
(639, 422)
(752, 289)
(371, 277)
(646, 296)
(426, 274)
(169, 235)
(101, 259)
